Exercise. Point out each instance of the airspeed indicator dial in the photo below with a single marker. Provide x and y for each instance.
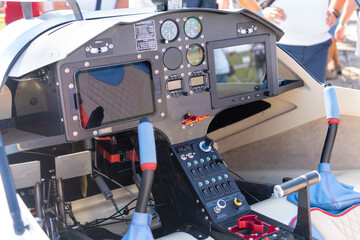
(169, 30)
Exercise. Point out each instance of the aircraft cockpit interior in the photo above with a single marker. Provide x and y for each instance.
(83, 101)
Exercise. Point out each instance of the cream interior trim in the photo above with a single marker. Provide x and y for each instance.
(288, 110)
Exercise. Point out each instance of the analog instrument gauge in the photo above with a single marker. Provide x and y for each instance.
(169, 30)
(192, 27)
(195, 55)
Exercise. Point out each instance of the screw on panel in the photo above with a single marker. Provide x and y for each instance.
(156, 71)
(203, 44)
(177, 20)
(197, 201)
(187, 46)
(188, 67)
(186, 38)
(75, 134)
(156, 57)
(71, 86)
(183, 127)
(191, 92)
(139, 56)
(202, 210)
(184, 19)
(204, 63)
(159, 100)
(87, 64)
(182, 74)
(206, 218)
(168, 96)
(95, 133)
(111, 46)
(165, 69)
(67, 70)
(57, 84)
(162, 114)
(62, 120)
(161, 21)
(166, 77)
(163, 50)
(182, 66)
(189, 73)
(75, 118)
(179, 39)
(200, 17)
(87, 49)
(202, 36)
(180, 47)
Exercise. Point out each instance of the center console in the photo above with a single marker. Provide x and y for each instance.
(216, 205)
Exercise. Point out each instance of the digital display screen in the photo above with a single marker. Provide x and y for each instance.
(112, 94)
(197, 81)
(240, 69)
(174, 85)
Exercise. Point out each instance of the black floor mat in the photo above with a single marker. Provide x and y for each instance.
(101, 234)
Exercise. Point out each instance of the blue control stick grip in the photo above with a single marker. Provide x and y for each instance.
(147, 145)
(331, 103)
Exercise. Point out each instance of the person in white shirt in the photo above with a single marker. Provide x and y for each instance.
(306, 25)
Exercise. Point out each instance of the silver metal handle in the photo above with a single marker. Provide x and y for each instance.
(296, 184)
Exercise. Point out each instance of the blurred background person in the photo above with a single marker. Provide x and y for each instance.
(306, 24)
(93, 5)
(272, 14)
(349, 9)
(201, 3)
(13, 11)
(306, 29)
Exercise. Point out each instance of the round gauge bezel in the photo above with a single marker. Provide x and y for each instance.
(203, 55)
(198, 88)
(177, 92)
(177, 30)
(199, 33)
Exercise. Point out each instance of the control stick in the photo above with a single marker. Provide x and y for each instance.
(139, 228)
(333, 119)
(301, 184)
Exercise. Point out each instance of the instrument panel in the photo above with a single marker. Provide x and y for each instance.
(165, 67)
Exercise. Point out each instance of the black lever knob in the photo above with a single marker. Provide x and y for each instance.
(208, 142)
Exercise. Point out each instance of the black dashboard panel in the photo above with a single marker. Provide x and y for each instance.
(163, 67)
